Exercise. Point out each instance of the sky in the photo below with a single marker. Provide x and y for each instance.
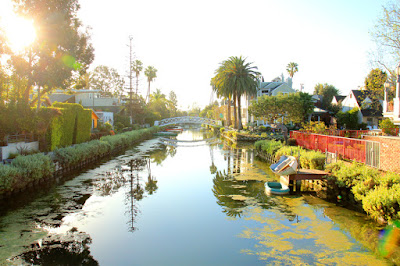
(187, 40)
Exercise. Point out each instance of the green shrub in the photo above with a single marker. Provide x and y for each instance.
(383, 203)
(268, 146)
(34, 166)
(9, 175)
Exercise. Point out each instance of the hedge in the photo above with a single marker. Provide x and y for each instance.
(72, 127)
(25, 169)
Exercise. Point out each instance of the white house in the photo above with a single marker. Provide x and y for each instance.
(106, 117)
(88, 99)
(272, 88)
(360, 99)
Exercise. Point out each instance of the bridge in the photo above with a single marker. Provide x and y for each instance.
(188, 120)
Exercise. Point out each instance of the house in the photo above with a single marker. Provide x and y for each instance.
(366, 114)
(88, 99)
(391, 108)
(337, 99)
(272, 88)
(106, 117)
(95, 118)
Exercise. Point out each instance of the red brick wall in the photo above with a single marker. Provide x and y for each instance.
(389, 152)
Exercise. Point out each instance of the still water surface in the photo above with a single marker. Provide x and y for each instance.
(181, 204)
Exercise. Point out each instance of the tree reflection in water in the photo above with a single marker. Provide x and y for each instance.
(69, 249)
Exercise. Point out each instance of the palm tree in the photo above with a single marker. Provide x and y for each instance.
(137, 67)
(221, 91)
(151, 73)
(235, 78)
(292, 68)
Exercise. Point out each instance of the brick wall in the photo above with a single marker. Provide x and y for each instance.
(389, 152)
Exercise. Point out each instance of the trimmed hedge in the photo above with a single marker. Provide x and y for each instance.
(72, 127)
(25, 169)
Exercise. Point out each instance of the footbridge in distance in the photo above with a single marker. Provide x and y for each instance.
(188, 120)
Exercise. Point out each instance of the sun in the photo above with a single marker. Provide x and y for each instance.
(19, 32)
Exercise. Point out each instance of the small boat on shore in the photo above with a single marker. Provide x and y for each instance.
(276, 188)
(165, 134)
(287, 165)
(174, 129)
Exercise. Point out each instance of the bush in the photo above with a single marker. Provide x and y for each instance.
(387, 127)
(34, 166)
(378, 194)
(9, 175)
(268, 146)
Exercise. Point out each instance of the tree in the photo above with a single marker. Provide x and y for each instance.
(348, 120)
(374, 87)
(386, 36)
(292, 68)
(294, 107)
(327, 92)
(137, 68)
(107, 80)
(151, 73)
(174, 102)
(61, 48)
(236, 77)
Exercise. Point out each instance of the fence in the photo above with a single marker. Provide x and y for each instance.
(352, 149)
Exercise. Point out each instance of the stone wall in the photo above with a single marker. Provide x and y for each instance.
(389, 152)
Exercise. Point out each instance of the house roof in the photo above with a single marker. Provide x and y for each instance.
(339, 98)
(360, 96)
(270, 85)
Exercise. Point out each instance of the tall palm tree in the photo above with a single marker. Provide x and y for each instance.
(151, 73)
(220, 87)
(137, 67)
(292, 68)
(238, 78)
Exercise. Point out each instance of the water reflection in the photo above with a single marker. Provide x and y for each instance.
(71, 248)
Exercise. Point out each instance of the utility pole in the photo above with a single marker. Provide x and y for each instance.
(130, 79)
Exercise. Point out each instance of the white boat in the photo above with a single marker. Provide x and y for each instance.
(287, 165)
(276, 188)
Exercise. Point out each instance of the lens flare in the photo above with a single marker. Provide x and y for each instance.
(389, 239)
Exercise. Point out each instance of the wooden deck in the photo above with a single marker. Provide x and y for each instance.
(294, 181)
(308, 174)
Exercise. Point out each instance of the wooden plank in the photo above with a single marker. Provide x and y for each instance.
(308, 174)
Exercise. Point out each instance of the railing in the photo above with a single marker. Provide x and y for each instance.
(347, 148)
(188, 120)
(29, 137)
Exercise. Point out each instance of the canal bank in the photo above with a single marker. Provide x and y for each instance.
(162, 205)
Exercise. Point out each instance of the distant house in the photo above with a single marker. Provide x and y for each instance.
(360, 99)
(336, 100)
(95, 119)
(272, 88)
(88, 99)
(106, 117)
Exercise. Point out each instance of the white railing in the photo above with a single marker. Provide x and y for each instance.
(188, 120)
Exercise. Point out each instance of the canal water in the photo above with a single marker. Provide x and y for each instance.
(195, 201)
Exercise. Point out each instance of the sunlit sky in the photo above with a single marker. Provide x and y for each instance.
(186, 40)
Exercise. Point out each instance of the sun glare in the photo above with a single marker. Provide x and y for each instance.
(20, 33)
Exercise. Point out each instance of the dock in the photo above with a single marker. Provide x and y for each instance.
(294, 181)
